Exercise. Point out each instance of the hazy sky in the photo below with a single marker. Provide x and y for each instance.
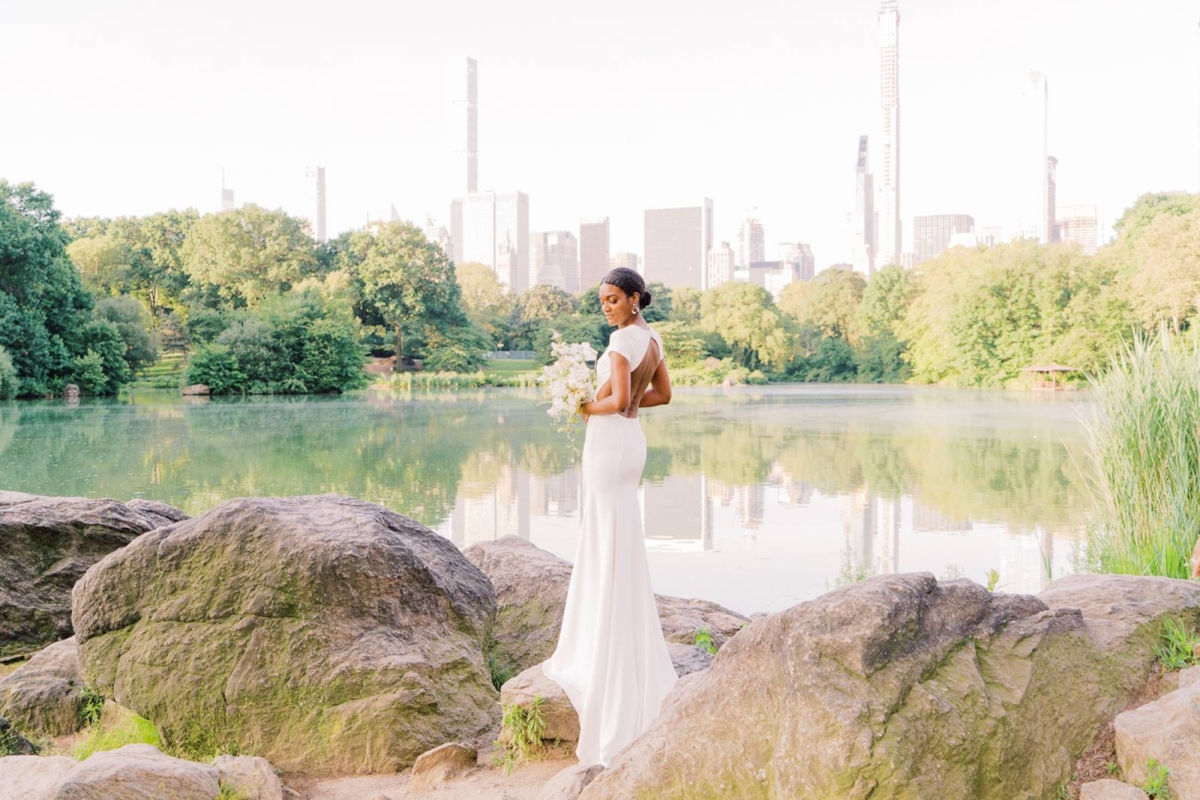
(603, 108)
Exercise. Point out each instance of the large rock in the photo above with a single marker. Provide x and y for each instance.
(531, 593)
(562, 721)
(900, 687)
(1168, 731)
(12, 742)
(326, 633)
(46, 544)
(30, 777)
(158, 511)
(45, 694)
(136, 772)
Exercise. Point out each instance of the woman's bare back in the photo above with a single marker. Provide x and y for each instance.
(639, 380)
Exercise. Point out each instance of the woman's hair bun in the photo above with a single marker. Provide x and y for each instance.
(645, 298)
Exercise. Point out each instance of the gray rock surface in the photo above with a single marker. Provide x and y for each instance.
(160, 512)
(900, 687)
(1108, 789)
(570, 782)
(441, 764)
(30, 777)
(1167, 730)
(46, 545)
(531, 593)
(277, 623)
(44, 695)
(136, 772)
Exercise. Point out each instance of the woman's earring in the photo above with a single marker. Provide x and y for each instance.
(635, 309)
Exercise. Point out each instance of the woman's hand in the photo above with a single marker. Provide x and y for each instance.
(584, 412)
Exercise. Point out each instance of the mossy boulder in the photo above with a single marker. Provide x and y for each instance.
(901, 687)
(531, 594)
(46, 544)
(323, 633)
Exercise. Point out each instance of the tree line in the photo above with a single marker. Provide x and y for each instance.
(258, 306)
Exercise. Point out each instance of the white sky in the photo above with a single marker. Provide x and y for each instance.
(603, 108)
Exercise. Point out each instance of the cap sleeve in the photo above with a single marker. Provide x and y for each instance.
(620, 342)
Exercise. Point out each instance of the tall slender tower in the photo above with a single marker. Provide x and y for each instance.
(1035, 166)
(863, 218)
(317, 196)
(890, 229)
(463, 123)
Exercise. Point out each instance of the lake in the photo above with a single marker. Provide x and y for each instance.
(754, 497)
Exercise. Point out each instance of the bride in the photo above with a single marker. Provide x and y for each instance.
(611, 658)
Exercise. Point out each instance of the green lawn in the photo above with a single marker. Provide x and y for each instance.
(509, 366)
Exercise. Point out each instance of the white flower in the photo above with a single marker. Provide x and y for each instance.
(568, 381)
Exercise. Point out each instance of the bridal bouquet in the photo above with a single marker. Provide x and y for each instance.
(568, 381)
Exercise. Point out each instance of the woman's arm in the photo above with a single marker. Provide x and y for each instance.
(618, 400)
(659, 391)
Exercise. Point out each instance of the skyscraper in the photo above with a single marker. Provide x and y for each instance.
(494, 230)
(889, 244)
(316, 175)
(677, 241)
(798, 256)
(720, 265)
(462, 124)
(1034, 171)
(863, 217)
(932, 234)
(751, 242)
(554, 260)
(593, 251)
(626, 260)
(1051, 199)
(226, 195)
(1079, 224)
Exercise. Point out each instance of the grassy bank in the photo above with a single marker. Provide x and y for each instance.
(1144, 462)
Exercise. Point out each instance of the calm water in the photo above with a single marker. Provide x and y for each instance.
(756, 498)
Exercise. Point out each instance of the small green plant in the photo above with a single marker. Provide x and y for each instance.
(520, 734)
(850, 572)
(953, 573)
(228, 793)
(1156, 780)
(704, 641)
(993, 580)
(500, 672)
(120, 728)
(1063, 793)
(91, 707)
(1113, 769)
(1178, 647)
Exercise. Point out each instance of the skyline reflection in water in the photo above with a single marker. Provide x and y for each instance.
(756, 498)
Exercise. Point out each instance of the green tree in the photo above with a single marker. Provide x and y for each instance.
(533, 310)
(9, 384)
(485, 300)
(406, 282)
(1166, 281)
(103, 262)
(133, 322)
(829, 302)
(685, 305)
(462, 348)
(746, 318)
(44, 308)
(215, 367)
(248, 253)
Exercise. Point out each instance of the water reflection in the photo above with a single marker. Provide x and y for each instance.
(755, 498)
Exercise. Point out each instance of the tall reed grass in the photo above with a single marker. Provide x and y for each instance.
(1144, 461)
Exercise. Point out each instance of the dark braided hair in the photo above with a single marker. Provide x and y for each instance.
(628, 281)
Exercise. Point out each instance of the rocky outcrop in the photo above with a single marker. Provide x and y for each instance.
(44, 695)
(902, 687)
(328, 633)
(11, 740)
(46, 544)
(162, 513)
(531, 593)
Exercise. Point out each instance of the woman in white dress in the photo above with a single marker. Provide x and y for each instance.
(611, 658)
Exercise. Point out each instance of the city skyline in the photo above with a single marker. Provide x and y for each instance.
(638, 148)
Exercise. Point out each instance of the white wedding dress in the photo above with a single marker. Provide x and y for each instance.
(611, 659)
